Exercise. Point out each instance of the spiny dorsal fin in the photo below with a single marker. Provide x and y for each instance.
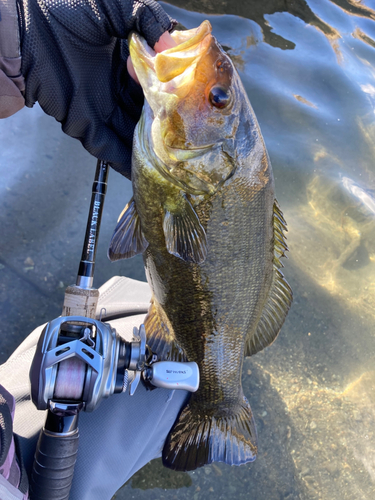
(127, 239)
(160, 336)
(280, 295)
(185, 237)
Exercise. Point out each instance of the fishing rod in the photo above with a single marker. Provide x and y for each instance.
(79, 361)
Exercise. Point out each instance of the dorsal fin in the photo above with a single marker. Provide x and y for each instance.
(160, 336)
(280, 295)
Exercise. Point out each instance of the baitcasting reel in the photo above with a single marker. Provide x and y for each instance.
(79, 362)
(83, 361)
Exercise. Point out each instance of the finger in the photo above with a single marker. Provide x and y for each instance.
(165, 42)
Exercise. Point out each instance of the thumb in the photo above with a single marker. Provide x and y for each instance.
(165, 42)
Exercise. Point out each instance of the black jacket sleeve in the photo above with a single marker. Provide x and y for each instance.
(74, 55)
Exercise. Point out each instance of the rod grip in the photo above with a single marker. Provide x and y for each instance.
(53, 467)
(80, 302)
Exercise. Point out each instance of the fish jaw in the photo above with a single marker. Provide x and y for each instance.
(166, 79)
(158, 72)
(192, 137)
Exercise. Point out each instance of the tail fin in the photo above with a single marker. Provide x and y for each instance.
(198, 438)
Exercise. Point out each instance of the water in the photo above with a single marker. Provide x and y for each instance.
(308, 68)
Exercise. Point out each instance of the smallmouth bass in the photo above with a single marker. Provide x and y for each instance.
(205, 218)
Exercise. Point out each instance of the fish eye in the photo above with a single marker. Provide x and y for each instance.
(219, 97)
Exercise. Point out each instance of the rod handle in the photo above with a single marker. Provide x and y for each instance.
(80, 302)
(53, 467)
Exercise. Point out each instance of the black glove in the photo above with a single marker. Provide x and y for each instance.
(74, 55)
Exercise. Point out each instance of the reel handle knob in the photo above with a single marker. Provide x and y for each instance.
(173, 375)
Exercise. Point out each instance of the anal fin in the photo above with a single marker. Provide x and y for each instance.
(160, 336)
(128, 239)
(185, 237)
(280, 296)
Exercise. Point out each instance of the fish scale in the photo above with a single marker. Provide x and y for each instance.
(211, 234)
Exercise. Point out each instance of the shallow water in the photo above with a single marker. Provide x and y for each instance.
(309, 73)
(308, 68)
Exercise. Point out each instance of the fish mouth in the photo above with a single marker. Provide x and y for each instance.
(167, 77)
(163, 67)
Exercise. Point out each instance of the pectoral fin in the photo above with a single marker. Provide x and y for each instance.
(280, 295)
(185, 237)
(127, 239)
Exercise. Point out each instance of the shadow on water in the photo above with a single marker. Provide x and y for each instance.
(272, 475)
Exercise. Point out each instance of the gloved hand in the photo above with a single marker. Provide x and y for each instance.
(74, 60)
